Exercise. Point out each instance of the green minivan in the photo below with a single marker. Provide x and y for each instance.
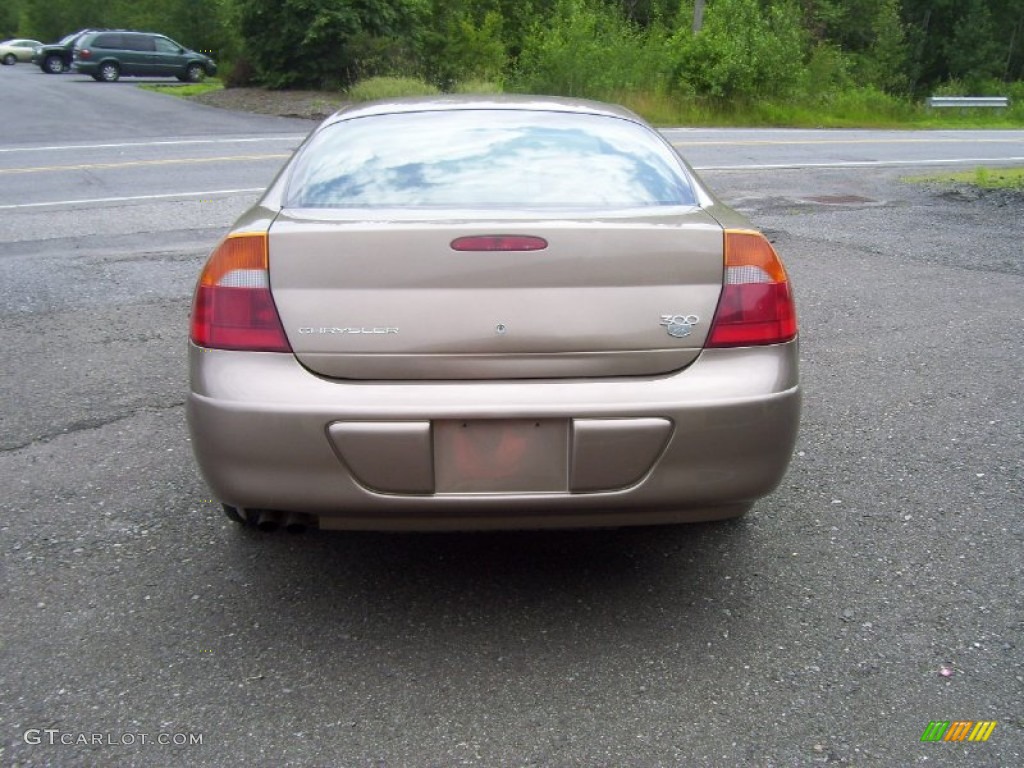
(110, 54)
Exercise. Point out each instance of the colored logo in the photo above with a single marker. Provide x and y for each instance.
(958, 730)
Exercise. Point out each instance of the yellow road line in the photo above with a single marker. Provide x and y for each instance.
(143, 163)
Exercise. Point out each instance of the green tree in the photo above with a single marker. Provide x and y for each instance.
(297, 43)
(885, 61)
(648, 12)
(197, 25)
(203, 26)
(742, 50)
(968, 40)
(458, 46)
(973, 51)
(50, 21)
(586, 48)
(10, 19)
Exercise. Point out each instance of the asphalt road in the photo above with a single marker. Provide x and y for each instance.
(876, 591)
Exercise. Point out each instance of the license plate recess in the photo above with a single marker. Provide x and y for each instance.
(501, 456)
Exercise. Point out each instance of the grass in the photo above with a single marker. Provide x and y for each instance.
(981, 177)
(375, 88)
(856, 108)
(185, 89)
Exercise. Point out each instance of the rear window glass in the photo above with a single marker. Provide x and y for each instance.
(487, 159)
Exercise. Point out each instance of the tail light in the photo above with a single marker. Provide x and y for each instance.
(233, 308)
(756, 306)
(83, 53)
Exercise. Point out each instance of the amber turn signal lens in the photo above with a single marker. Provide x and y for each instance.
(241, 252)
(233, 307)
(756, 306)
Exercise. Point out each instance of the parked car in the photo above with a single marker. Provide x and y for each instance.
(13, 51)
(109, 55)
(510, 312)
(56, 57)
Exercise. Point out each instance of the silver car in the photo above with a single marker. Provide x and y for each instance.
(469, 313)
(13, 51)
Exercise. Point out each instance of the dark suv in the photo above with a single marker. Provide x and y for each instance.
(109, 55)
(56, 57)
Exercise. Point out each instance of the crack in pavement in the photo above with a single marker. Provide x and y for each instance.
(86, 425)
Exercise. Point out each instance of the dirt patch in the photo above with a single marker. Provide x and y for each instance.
(311, 105)
(969, 193)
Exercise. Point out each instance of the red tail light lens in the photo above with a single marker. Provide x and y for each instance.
(233, 308)
(756, 306)
(84, 53)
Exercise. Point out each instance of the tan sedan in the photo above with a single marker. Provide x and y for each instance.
(467, 313)
(13, 51)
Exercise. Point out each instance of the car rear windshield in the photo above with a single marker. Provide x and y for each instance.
(487, 159)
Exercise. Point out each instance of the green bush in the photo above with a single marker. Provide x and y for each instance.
(455, 48)
(586, 48)
(380, 56)
(869, 106)
(316, 43)
(483, 87)
(239, 73)
(390, 88)
(743, 50)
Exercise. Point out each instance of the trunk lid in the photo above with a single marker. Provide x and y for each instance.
(616, 296)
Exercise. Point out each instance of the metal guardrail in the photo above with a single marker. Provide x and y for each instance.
(936, 102)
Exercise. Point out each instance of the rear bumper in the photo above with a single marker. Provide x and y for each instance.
(265, 436)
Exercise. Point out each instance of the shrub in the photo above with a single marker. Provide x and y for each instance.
(588, 49)
(297, 43)
(390, 88)
(477, 86)
(827, 72)
(379, 56)
(457, 48)
(742, 50)
(240, 74)
(870, 104)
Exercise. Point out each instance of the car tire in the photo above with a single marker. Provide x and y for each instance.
(195, 73)
(109, 72)
(53, 65)
(9, 59)
(236, 515)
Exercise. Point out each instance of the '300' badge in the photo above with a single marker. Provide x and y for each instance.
(679, 326)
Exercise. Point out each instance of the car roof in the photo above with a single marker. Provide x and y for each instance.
(454, 103)
(126, 32)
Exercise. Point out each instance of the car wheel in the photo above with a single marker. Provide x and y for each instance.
(9, 59)
(195, 73)
(53, 65)
(109, 72)
(235, 515)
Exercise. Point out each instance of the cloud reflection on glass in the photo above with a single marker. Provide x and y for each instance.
(487, 159)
